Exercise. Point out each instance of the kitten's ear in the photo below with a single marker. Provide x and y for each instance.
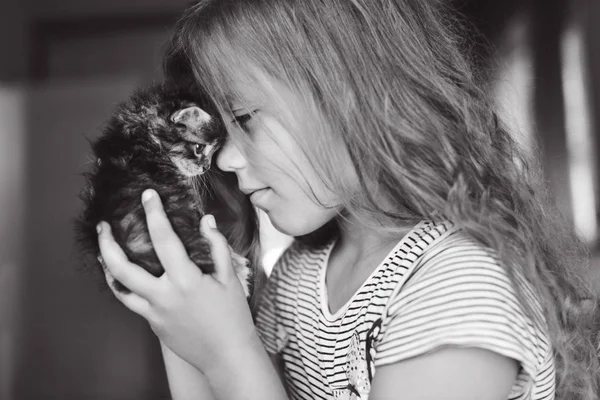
(192, 117)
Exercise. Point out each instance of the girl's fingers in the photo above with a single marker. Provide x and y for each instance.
(168, 247)
(219, 248)
(129, 274)
(135, 303)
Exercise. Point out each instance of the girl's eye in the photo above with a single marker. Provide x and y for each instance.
(243, 119)
(197, 149)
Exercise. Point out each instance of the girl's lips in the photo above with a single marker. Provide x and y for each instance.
(258, 197)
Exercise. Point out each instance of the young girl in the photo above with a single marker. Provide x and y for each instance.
(428, 263)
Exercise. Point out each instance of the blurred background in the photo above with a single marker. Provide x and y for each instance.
(64, 64)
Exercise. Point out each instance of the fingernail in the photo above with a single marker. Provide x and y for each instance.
(147, 195)
(210, 221)
(99, 227)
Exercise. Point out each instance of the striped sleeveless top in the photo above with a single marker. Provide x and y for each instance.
(437, 287)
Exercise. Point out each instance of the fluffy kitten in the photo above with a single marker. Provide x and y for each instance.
(164, 138)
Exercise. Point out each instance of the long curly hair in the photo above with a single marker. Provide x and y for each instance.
(391, 93)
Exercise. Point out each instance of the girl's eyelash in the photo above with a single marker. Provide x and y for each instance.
(244, 118)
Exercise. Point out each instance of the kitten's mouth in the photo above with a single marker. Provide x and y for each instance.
(204, 168)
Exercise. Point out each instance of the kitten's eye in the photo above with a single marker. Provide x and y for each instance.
(197, 149)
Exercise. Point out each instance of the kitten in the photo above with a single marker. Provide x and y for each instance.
(165, 138)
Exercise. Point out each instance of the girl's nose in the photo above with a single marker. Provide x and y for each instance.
(230, 158)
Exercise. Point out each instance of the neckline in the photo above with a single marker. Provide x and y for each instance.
(325, 310)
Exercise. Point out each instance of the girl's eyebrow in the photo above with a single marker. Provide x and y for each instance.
(244, 104)
(243, 97)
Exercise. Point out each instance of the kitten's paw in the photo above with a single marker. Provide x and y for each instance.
(241, 266)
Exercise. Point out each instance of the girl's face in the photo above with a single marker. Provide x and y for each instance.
(273, 171)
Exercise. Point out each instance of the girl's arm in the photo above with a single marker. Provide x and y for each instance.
(451, 373)
(185, 381)
(251, 374)
(188, 383)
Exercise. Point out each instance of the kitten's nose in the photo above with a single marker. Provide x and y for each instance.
(230, 158)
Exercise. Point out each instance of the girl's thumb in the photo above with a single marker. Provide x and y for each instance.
(219, 248)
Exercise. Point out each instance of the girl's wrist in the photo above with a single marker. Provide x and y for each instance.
(239, 355)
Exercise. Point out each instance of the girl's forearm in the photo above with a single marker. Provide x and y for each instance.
(185, 381)
(249, 374)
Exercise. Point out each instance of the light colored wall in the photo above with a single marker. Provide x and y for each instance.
(13, 61)
(12, 197)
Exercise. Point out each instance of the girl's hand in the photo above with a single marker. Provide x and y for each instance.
(203, 318)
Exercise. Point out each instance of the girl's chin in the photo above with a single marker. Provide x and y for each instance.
(282, 223)
(281, 226)
(292, 226)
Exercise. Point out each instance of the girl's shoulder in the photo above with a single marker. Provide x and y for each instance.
(455, 250)
(460, 253)
(459, 256)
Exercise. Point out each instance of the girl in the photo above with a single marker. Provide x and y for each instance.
(428, 263)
